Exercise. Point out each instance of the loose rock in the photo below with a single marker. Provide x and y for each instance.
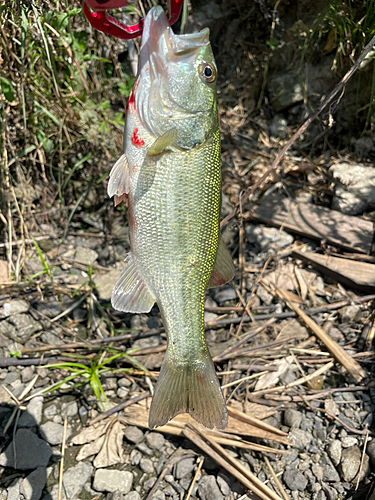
(292, 418)
(295, 480)
(133, 434)
(31, 451)
(350, 461)
(53, 432)
(133, 495)
(73, 481)
(112, 480)
(32, 416)
(86, 255)
(146, 466)
(184, 467)
(155, 440)
(300, 438)
(15, 306)
(32, 486)
(355, 189)
(334, 450)
(208, 489)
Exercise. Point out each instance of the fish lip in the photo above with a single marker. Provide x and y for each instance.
(159, 41)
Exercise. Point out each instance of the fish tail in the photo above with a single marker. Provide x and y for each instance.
(188, 388)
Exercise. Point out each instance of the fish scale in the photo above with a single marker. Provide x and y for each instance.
(171, 173)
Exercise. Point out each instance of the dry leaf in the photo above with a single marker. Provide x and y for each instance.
(90, 433)
(112, 450)
(284, 277)
(301, 282)
(90, 449)
(4, 271)
(272, 378)
(257, 410)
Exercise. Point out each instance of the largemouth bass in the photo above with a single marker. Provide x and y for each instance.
(170, 173)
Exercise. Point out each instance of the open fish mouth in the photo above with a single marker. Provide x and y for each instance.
(160, 44)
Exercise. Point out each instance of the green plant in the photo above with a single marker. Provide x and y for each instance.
(47, 269)
(62, 99)
(90, 374)
(344, 28)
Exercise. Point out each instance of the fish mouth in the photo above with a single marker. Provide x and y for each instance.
(160, 45)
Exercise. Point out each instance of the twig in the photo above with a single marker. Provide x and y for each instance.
(362, 459)
(239, 381)
(352, 366)
(245, 338)
(276, 480)
(178, 455)
(21, 242)
(233, 466)
(61, 468)
(256, 422)
(339, 88)
(334, 417)
(299, 381)
(120, 407)
(200, 461)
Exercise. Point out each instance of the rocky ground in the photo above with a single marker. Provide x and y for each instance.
(314, 437)
(328, 420)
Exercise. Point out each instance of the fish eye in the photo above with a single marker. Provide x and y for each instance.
(207, 72)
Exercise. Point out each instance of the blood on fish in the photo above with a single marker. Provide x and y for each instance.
(135, 168)
(216, 278)
(131, 100)
(119, 199)
(131, 219)
(136, 141)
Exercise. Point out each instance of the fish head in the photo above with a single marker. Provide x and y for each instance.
(176, 82)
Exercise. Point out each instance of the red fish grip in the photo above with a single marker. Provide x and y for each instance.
(102, 21)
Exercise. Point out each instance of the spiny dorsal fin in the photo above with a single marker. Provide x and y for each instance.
(163, 142)
(119, 178)
(130, 293)
(223, 269)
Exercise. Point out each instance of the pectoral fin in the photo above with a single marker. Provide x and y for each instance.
(130, 293)
(119, 178)
(163, 142)
(223, 269)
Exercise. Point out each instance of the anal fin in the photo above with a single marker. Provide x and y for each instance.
(188, 388)
(119, 178)
(223, 270)
(130, 293)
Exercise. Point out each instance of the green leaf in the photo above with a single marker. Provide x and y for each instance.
(7, 88)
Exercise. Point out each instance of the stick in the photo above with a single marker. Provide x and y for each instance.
(233, 466)
(352, 366)
(276, 480)
(245, 338)
(299, 381)
(339, 88)
(61, 469)
(178, 455)
(120, 407)
(200, 463)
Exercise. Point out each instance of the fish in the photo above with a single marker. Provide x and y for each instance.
(171, 175)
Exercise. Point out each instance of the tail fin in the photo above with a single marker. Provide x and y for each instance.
(188, 388)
